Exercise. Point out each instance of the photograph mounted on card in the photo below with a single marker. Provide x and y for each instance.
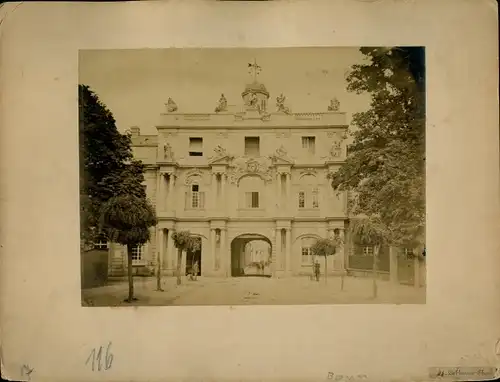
(252, 176)
(249, 190)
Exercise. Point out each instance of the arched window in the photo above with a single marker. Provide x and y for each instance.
(306, 245)
(308, 196)
(101, 242)
(195, 196)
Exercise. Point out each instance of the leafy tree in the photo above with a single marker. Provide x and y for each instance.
(126, 219)
(112, 195)
(184, 241)
(105, 154)
(324, 248)
(369, 231)
(384, 172)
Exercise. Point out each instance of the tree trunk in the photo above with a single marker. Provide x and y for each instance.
(342, 281)
(130, 275)
(158, 274)
(375, 264)
(179, 265)
(326, 262)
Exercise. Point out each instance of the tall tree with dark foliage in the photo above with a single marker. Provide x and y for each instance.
(385, 167)
(113, 198)
(106, 162)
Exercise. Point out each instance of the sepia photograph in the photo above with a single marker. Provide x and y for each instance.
(257, 176)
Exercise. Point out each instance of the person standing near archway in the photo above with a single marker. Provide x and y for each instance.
(196, 269)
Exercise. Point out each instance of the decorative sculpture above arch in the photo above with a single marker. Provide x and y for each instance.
(241, 167)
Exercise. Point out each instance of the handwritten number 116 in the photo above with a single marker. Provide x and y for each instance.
(96, 357)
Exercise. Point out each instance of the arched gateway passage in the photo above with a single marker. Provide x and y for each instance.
(251, 255)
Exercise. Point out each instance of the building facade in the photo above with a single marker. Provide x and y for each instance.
(255, 172)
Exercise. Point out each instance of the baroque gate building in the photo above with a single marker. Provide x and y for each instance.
(240, 174)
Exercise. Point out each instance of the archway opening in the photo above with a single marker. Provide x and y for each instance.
(251, 255)
(194, 256)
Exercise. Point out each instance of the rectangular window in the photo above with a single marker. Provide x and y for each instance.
(315, 198)
(306, 255)
(368, 251)
(194, 198)
(195, 147)
(137, 253)
(302, 199)
(252, 146)
(251, 199)
(309, 144)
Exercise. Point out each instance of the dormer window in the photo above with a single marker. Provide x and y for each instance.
(195, 147)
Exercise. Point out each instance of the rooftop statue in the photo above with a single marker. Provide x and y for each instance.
(334, 104)
(280, 104)
(222, 104)
(171, 105)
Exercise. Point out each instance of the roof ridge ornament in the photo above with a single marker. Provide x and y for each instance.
(254, 69)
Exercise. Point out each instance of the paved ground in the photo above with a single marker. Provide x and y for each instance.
(253, 291)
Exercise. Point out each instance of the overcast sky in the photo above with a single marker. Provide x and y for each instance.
(135, 84)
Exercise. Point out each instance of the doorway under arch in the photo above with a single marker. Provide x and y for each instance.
(251, 255)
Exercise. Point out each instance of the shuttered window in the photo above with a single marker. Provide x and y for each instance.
(251, 199)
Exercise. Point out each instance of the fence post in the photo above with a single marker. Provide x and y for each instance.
(416, 271)
(393, 265)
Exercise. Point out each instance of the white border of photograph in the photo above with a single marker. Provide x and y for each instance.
(44, 327)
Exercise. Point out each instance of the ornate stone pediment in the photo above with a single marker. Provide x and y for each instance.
(253, 166)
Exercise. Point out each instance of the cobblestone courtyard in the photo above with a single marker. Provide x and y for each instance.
(253, 291)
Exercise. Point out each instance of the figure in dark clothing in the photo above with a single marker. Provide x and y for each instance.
(316, 270)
